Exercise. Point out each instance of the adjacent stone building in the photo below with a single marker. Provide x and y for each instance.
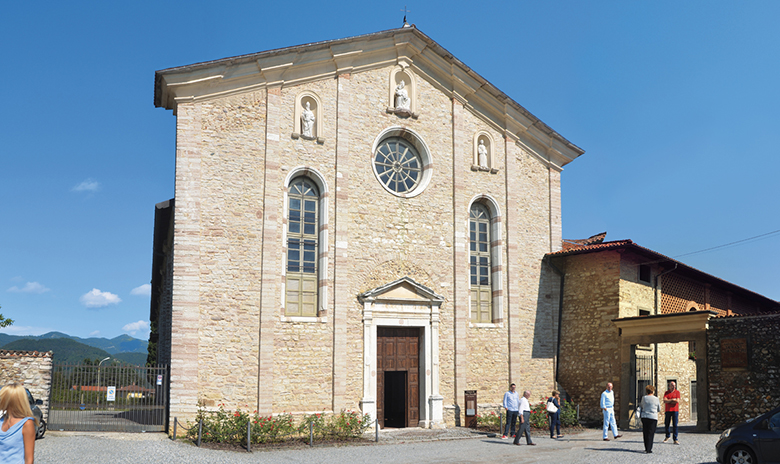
(609, 285)
(32, 369)
(358, 224)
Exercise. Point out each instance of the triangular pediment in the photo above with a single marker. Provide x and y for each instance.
(406, 47)
(404, 289)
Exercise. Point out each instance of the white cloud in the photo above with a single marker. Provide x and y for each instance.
(94, 334)
(29, 287)
(25, 330)
(143, 290)
(98, 299)
(89, 185)
(133, 327)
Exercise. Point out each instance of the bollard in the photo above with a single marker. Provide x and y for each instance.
(311, 433)
(175, 420)
(376, 429)
(249, 436)
(500, 422)
(200, 430)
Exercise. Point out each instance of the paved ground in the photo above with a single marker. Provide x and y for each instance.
(397, 446)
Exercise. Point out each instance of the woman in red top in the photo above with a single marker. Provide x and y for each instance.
(672, 401)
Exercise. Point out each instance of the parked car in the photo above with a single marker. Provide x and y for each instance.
(754, 441)
(38, 414)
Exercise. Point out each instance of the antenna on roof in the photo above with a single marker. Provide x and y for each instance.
(405, 11)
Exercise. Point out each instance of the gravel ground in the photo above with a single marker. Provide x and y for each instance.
(396, 446)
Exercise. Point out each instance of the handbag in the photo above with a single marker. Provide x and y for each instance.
(551, 407)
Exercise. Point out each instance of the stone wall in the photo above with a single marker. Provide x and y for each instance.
(674, 363)
(30, 368)
(589, 340)
(739, 393)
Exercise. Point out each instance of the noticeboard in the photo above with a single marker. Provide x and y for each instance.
(733, 352)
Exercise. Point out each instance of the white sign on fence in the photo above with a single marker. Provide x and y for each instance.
(111, 394)
(159, 380)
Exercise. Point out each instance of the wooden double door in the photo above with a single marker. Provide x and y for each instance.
(398, 376)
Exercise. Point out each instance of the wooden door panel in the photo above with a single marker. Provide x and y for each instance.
(398, 349)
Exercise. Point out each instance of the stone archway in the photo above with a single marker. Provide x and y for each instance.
(663, 328)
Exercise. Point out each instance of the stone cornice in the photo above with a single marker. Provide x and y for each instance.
(406, 46)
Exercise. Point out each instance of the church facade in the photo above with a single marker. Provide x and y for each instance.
(357, 224)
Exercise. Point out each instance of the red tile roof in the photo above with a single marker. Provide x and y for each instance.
(576, 247)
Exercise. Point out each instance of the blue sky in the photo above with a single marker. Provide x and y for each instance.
(675, 103)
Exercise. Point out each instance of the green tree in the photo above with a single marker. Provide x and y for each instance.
(5, 322)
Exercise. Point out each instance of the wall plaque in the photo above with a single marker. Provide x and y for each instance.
(733, 352)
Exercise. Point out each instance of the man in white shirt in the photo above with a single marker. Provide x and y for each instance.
(607, 404)
(525, 419)
(512, 406)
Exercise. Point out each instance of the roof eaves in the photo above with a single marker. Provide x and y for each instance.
(492, 89)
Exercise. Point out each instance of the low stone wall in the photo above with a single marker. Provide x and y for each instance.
(744, 371)
(30, 368)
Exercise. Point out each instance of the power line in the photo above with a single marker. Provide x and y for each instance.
(728, 244)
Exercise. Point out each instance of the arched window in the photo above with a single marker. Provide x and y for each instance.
(479, 254)
(302, 248)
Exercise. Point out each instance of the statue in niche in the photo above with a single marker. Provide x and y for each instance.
(402, 101)
(483, 154)
(307, 121)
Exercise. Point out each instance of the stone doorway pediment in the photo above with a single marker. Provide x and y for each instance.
(403, 290)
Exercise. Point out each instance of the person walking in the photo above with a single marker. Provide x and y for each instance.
(512, 406)
(17, 426)
(607, 404)
(555, 417)
(525, 420)
(649, 409)
(672, 402)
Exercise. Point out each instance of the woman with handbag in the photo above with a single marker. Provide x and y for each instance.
(554, 413)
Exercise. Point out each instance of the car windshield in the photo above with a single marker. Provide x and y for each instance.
(29, 396)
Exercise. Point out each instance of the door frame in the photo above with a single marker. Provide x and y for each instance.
(404, 303)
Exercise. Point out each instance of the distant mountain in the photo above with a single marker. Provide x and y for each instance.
(121, 344)
(136, 359)
(65, 350)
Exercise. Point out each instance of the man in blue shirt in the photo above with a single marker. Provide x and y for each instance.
(607, 404)
(512, 406)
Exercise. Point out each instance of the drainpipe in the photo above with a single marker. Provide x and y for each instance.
(560, 315)
(655, 310)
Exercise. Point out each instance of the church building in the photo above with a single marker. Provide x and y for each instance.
(357, 224)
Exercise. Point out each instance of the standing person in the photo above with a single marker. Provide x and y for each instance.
(607, 404)
(672, 402)
(555, 417)
(17, 426)
(525, 420)
(512, 406)
(650, 407)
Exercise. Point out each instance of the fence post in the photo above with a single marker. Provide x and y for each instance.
(200, 430)
(174, 427)
(578, 413)
(249, 435)
(500, 422)
(376, 429)
(311, 433)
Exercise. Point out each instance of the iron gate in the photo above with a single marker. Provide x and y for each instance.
(114, 398)
(644, 375)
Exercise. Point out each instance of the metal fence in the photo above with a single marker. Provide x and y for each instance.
(113, 398)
